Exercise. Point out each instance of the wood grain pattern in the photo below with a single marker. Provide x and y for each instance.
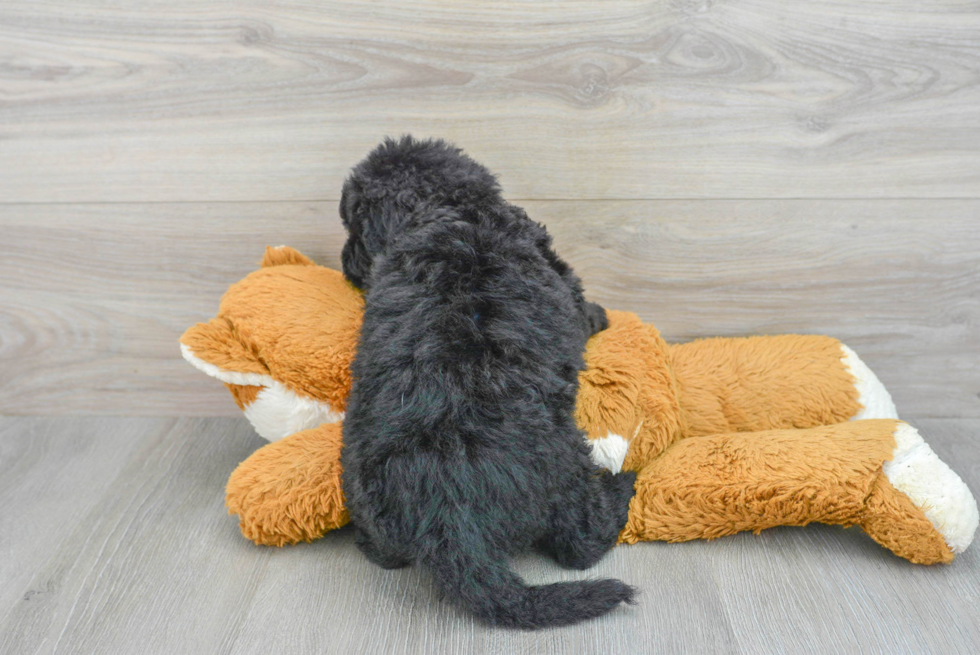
(146, 561)
(190, 101)
(94, 297)
(138, 568)
(737, 167)
(43, 464)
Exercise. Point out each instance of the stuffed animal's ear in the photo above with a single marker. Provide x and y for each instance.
(284, 255)
(215, 349)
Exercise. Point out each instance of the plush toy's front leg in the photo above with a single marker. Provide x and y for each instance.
(289, 490)
(878, 474)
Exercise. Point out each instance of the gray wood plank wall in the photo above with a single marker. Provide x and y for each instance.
(96, 295)
(218, 100)
(720, 168)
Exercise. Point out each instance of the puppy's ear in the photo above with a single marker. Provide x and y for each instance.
(349, 199)
(354, 258)
(356, 262)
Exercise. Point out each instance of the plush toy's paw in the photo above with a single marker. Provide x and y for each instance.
(896, 523)
(919, 508)
(290, 490)
(875, 400)
(933, 487)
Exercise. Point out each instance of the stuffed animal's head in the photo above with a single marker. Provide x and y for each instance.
(283, 342)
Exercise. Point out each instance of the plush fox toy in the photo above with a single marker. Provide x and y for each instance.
(725, 435)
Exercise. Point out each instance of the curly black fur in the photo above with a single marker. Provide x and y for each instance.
(460, 445)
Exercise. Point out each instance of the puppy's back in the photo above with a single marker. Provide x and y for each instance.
(459, 437)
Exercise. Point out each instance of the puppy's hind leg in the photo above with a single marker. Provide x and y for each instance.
(385, 558)
(587, 524)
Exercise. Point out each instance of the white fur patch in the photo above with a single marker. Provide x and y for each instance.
(277, 411)
(933, 487)
(876, 401)
(609, 452)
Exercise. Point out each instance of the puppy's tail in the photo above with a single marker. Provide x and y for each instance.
(488, 588)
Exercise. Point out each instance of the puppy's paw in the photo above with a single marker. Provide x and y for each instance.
(595, 315)
(622, 487)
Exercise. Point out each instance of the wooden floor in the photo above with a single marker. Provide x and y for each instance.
(115, 540)
(720, 168)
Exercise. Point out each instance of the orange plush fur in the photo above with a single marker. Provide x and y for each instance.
(726, 435)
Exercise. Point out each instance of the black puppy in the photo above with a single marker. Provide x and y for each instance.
(459, 444)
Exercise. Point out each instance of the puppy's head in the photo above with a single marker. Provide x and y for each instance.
(384, 191)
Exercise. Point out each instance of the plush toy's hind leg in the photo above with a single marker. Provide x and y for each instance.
(841, 474)
(585, 527)
(775, 382)
(874, 399)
